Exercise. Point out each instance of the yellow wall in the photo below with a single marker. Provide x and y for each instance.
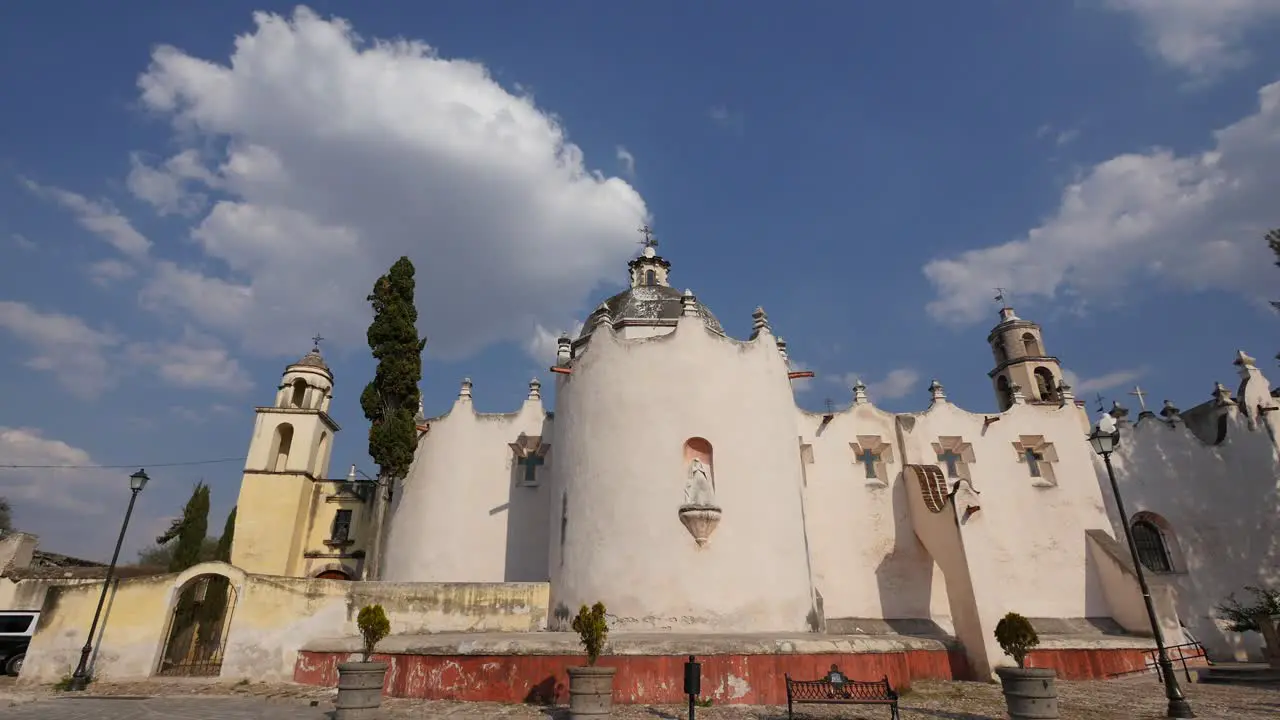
(272, 618)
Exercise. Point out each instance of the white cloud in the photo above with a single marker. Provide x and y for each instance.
(87, 361)
(1193, 222)
(731, 120)
(542, 343)
(1107, 381)
(57, 488)
(168, 187)
(323, 184)
(897, 383)
(110, 271)
(627, 161)
(98, 217)
(62, 345)
(1202, 38)
(22, 242)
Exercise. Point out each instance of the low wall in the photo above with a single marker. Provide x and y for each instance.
(271, 619)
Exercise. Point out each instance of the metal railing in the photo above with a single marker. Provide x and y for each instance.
(1178, 655)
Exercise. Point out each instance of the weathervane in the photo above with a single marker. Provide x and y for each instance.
(1101, 407)
(831, 406)
(316, 339)
(1002, 296)
(649, 240)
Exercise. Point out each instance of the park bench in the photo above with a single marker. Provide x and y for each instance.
(837, 689)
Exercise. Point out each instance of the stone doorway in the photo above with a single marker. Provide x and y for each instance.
(197, 636)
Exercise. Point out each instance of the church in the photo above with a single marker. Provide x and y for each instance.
(677, 481)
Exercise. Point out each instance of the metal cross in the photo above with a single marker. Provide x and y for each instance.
(1142, 397)
(831, 406)
(1101, 403)
(316, 339)
(649, 240)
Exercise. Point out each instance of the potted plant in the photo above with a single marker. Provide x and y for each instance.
(591, 687)
(360, 683)
(1028, 692)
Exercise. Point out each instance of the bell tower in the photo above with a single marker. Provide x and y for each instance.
(288, 456)
(1022, 365)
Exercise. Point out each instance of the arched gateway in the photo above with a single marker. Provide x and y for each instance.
(196, 639)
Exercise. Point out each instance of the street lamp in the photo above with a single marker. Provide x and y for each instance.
(80, 678)
(1105, 438)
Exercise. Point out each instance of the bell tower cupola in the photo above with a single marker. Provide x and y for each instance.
(649, 269)
(1022, 364)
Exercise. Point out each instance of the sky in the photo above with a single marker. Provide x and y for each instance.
(190, 191)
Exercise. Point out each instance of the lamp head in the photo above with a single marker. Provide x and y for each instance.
(1105, 438)
(138, 481)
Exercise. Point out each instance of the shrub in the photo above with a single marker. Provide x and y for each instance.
(592, 629)
(1016, 637)
(1244, 618)
(374, 626)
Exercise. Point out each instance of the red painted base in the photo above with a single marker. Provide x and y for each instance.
(730, 679)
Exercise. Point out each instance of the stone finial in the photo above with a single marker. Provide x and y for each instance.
(535, 389)
(1118, 411)
(936, 394)
(602, 315)
(1015, 394)
(564, 350)
(759, 323)
(1171, 414)
(1007, 314)
(1065, 395)
(1221, 394)
(464, 393)
(688, 304)
(859, 392)
(1244, 361)
(782, 349)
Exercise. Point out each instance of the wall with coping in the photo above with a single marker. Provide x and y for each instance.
(465, 513)
(271, 619)
(1217, 503)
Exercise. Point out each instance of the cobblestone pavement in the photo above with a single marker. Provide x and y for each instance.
(1126, 699)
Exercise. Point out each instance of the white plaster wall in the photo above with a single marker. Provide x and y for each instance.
(1026, 547)
(1222, 504)
(867, 561)
(622, 419)
(462, 514)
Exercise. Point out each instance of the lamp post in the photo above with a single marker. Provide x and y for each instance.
(1104, 439)
(80, 678)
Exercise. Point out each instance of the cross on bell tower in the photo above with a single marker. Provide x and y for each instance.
(649, 269)
(649, 241)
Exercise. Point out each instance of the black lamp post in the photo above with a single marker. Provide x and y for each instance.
(80, 678)
(1104, 439)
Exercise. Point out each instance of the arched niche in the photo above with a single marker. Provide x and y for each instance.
(281, 446)
(700, 449)
(1030, 345)
(1046, 384)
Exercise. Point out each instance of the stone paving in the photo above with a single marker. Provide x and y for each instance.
(1126, 699)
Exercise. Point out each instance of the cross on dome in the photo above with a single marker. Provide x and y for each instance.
(316, 340)
(649, 240)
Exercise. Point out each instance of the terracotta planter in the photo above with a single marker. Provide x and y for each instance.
(590, 692)
(1029, 693)
(359, 690)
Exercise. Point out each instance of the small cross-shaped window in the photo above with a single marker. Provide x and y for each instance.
(1033, 461)
(869, 460)
(530, 463)
(951, 459)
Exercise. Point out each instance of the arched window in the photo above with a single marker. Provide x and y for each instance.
(1046, 387)
(1152, 550)
(1006, 397)
(299, 394)
(280, 448)
(1030, 346)
(650, 277)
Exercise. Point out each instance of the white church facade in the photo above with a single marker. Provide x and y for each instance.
(677, 481)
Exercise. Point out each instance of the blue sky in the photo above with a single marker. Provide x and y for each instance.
(189, 192)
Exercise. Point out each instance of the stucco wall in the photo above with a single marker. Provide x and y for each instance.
(622, 420)
(1219, 508)
(873, 567)
(272, 618)
(464, 514)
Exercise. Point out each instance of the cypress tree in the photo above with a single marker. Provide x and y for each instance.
(1273, 242)
(223, 552)
(189, 530)
(391, 399)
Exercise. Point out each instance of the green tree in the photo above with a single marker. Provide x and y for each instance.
(391, 399)
(190, 531)
(6, 515)
(223, 551)
(1273, 242)
(160, 556)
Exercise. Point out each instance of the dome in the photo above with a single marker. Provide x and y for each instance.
(648, 305)
(312, 359)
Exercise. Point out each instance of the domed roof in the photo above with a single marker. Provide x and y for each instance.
(313, 359)
(648, 305)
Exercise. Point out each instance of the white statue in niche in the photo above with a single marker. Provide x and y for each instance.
(698, 490)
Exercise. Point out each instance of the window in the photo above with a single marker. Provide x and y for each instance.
(1045, 385)
(281, 447)
(869, 460)
(951, 458)
(341, 532)
(1033, 461)
(1002, 389)
(1030, 347)
(15, 624)
(650, 277)
(1152, 551)
(299, 397)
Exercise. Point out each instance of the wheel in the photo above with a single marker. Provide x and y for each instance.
(14, 665)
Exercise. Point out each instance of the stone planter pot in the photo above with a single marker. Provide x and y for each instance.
(1029, 693)
(590, 692)
(359, 690)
